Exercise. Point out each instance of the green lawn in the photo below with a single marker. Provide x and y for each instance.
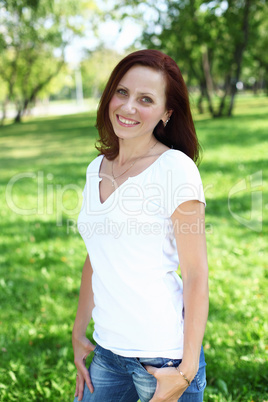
(43, 166)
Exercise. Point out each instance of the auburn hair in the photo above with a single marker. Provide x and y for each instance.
(179, 133)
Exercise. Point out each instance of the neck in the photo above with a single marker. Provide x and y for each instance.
(132, 149)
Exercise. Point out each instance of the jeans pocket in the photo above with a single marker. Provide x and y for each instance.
(158, 362)
(97, 348)
(201, 378)
(171, 363)
(142, 364)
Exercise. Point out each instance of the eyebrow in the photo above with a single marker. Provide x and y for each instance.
(140, 93)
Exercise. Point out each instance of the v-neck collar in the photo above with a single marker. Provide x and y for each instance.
(127, 180)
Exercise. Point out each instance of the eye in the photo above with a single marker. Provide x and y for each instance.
(146, 99)
(121, 91)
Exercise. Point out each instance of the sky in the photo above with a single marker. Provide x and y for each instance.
(114, 35)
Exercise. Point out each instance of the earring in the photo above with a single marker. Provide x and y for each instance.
(166, 122)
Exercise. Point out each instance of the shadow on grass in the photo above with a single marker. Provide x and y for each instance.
(240, 130)
(240, 168)
(63, 146)
(50, 139)
(50, 125)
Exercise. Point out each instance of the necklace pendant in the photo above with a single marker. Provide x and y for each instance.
(113, 182)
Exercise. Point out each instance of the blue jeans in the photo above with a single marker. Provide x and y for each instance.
(124, 379)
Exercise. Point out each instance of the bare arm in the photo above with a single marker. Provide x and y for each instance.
(189, 228)
(81, 345)
(86, 302)
(191, 244)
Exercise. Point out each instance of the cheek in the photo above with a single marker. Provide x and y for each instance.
(114, 104)
(151, 116)
(146, 114)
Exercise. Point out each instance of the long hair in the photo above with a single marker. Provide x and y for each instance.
(179, 133)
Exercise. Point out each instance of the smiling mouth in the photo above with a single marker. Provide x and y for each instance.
(127, 122)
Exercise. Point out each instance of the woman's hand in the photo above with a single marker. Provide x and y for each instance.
(82, 348)
(170, 384)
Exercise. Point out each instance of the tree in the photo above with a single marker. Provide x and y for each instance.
(256, 58)
(213, 39)
(32, 44)
(207, 39)
(96, 68)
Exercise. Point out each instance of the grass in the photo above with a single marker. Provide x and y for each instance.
(42, 173)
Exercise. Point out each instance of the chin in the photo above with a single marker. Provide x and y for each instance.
(124, 133)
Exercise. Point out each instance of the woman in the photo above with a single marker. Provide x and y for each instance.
(142, 215)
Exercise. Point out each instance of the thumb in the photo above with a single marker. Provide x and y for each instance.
(151, 370)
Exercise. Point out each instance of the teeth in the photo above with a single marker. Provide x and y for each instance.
(125, 121)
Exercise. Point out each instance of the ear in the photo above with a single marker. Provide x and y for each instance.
(169, 113)
(167, 117)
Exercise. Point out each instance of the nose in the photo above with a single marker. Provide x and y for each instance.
(129, 106)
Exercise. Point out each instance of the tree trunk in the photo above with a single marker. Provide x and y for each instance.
(201, 97)
(207, 73)
(200, 103)
(231, 105)
(22, 109)
(223, 99)
(18, 117)
(4, 111)
(210, 104)
(238, 54)
(208, 88)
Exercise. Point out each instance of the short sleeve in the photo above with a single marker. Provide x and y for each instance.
(84, 190)
(183, 180)
(92, 173)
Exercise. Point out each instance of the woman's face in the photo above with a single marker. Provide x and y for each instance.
(138, 103)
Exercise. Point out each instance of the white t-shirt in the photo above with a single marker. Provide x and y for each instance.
(130, 241)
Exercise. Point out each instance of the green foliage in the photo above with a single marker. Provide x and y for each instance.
(42, 254)
(256, 57)
(32, 44)
(212, 42)
(236, 336)
(40, 261)
(96, 69)
(11, 4)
